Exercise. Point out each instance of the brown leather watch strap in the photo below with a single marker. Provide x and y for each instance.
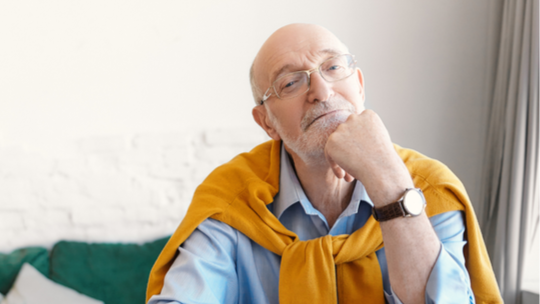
(388, 212)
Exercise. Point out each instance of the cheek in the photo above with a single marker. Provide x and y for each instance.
(291, 121)
(290, 118)
(354, 94)
(359, 104)
(360, 108)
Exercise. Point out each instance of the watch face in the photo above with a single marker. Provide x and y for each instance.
(413, 202)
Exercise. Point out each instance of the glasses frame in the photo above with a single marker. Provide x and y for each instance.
(268, 93)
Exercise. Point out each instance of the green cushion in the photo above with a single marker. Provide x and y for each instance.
(11, 263)
(112, 273)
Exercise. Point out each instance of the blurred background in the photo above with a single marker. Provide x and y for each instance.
(112, 112)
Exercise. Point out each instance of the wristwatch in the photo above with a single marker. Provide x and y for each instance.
(412, 203)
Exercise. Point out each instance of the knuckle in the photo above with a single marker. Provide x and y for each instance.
(371, 116)
(368, 113)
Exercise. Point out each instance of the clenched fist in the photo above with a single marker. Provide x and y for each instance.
(361, 148)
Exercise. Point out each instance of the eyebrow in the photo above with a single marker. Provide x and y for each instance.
(286, 67)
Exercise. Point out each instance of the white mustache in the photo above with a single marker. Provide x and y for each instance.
(322, 108)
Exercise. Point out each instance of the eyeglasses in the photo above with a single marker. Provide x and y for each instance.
(297, 83)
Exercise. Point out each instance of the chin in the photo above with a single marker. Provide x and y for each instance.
(310, 145)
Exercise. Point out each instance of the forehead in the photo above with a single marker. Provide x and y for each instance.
(295, 49)
(300, 61)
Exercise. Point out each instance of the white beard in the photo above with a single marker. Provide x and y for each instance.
(309, 146)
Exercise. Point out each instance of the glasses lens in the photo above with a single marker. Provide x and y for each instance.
(291, 85)
(338, 68)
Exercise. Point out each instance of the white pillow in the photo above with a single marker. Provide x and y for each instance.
(31, 287)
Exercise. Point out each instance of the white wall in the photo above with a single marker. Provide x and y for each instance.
(111, 112)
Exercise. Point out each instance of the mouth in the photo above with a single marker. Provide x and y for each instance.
(321, 116)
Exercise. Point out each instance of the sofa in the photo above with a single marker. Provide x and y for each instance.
(112, 273)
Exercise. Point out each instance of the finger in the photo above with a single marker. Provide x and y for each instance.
(348, 178)
(340, 173)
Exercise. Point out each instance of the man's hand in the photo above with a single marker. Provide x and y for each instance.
(361, 148)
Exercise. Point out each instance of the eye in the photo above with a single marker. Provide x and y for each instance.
(289, 84)
(335, 67)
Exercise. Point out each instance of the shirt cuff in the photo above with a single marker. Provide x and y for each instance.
(448, 283)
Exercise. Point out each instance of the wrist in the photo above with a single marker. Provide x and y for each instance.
(388, 192)
(410, 204)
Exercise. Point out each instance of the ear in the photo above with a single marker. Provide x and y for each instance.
(361, 81)
(261, 117)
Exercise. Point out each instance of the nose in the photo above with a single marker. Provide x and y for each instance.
(320, 90)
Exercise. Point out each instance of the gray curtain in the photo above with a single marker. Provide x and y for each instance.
(509, 214)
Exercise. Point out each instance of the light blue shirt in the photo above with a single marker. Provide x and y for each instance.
(219, 264)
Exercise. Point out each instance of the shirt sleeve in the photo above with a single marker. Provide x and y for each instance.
(449, 280)
(204, 270)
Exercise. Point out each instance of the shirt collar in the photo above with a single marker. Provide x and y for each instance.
(291, 192)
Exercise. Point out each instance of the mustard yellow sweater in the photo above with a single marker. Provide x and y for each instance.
(329, 268)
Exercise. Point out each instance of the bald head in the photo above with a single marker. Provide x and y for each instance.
(299, 43)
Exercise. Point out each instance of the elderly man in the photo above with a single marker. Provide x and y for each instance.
(329, 210)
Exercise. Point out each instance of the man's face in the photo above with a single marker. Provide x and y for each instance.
(305, 122)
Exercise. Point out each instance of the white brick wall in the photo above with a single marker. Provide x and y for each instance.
(113, 189)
